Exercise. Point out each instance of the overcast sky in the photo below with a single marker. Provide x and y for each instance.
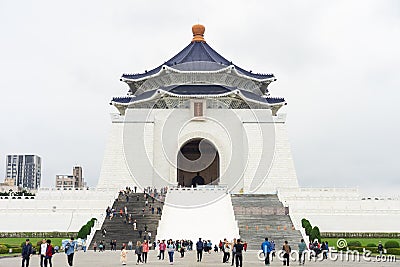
(337, 64)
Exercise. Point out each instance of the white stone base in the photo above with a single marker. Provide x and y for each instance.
(206, 214)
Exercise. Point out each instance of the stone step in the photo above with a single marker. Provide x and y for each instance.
(123, 232)
(267, 213)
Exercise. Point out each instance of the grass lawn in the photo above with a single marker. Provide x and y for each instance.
(363, 241)
(15, 241)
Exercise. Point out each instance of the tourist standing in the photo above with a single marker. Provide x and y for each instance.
(124, 254)
(162, 247)
(233, 251)
(49, 254)
(238, 253)
(27, 252)
(95, 246)
(171, 250)
(43, 248)
(145, 250)
(266, 248)
(227, 252)
(70, 250)
(286, 257)
(302, 248)
(138, 252)
(199, 248)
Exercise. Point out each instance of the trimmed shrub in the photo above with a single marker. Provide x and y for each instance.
(315, 234)
(308, 229)
(392, 244)
(370, 245)
(3, 249)
(393, 251)
(84, 231)
(355, 243)
(305, 222)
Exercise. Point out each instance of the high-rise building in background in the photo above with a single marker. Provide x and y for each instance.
(24, 170)
(71, 181)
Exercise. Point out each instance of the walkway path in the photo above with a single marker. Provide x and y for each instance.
(110, 259)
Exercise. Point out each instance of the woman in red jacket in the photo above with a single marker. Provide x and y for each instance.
(49, 253)
(145, 250)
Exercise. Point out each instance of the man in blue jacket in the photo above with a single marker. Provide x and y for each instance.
(27, 251)
(70, 250)
(266, 248)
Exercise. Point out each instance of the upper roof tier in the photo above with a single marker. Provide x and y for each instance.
(198, 56)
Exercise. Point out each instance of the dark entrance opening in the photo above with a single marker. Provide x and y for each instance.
(198, 163)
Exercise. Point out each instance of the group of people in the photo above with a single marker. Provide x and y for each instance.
(46, 250)
(46, 253)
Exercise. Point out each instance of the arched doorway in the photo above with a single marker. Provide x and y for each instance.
(198, 163)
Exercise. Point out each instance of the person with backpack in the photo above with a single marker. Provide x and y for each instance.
(27, 252)
(199, 248)
(286, 257)
(49, 254)
(70, 250)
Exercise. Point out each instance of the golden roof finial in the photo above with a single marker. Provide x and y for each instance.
(198, 33)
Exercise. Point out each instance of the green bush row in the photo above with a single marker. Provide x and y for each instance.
(390, 251)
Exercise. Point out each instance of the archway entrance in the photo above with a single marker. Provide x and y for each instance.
(198, 163)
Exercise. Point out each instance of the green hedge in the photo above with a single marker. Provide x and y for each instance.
(370, 245)
(392, 244)
(393, 251)
(354, 244)
(389, 251)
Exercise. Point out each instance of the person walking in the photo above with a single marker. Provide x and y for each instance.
(380, 249)
(95, 246)
(49, 254)
(124, 254)
(138, 252)
(171, 250)
(302, 248)
(286, 257)
(238, 253)
(199, 248)
(26, 253)
(70, 250)
(266, 248)
(43, 248)
(145, 250)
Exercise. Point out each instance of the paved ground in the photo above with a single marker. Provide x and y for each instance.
(109, 259)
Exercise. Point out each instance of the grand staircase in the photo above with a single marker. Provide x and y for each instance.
(261, 216)
(118, 229)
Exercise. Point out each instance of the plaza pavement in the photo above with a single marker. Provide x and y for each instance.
(111, 258)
